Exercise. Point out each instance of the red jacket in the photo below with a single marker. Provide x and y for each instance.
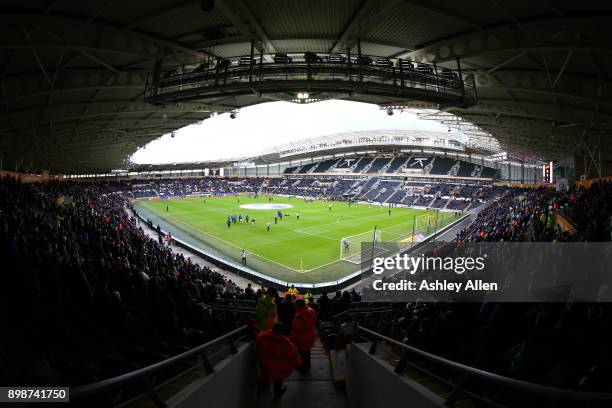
(303, 328)
(278, 356)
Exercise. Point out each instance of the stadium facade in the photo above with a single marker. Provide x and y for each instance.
(389, 143)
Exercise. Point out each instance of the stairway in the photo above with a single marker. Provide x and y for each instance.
(313, 389)
(435, 384)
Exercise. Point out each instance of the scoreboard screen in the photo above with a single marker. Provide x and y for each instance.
(214, 171)
(547, 173)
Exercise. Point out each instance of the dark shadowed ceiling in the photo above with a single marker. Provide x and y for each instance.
(73, 73)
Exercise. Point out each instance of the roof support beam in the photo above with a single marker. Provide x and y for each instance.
(567, 86)
(163, 46)
(9, 122)
(254, 23)
(227, 9)
(444, 14)
(99, 61)
(510, 37)
(569, 55)
(37, 57)
(353, 28)
(147, 18)
(506, 61)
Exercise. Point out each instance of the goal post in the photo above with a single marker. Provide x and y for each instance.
(404, 234)
(423, 223)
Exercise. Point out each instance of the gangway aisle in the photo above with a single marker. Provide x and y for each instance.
(313, 389)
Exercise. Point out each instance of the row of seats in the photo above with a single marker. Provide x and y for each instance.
(562, 344)
(371, 189)
(432, 165)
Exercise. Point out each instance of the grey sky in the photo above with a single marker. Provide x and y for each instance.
(266, 125)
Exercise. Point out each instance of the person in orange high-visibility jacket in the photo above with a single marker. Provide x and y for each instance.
(278, 356)
(303, 331)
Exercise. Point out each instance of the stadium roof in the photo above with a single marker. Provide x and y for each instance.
(339, 144)
(73, 73)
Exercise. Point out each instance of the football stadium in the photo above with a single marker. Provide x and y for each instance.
(287, 203)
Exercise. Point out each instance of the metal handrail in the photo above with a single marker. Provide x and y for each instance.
(233, 73)
(141, 373)
(347, 312)
(299, 58)
(235, 309)
(600, 399)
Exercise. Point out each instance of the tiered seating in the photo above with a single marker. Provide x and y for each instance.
(378, 164)
(389, 189)
(113, 299)
(442, 165)
(422, 201)
(465, 169)
(342, 186)
(397, 196)
(439, 203)
(325, 165)
(395, 164)
(458, 205)
(488, 172)
(415, 164)
(367, 186)
(306, 168)
(362, 164)
(143, 192)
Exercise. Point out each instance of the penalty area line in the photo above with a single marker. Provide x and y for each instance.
(236, 246)
(315, 235)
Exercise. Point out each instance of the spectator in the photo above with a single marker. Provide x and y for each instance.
(303, 331)
(278, 356)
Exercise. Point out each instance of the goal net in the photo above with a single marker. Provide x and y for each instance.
(424, 225)
(356, 248)
(367, 245)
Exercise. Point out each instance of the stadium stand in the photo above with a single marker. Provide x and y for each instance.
(435, 166)
(531, 342)
(108, 264)
(362, 164)
(98, 298)
(94, 296)
(395, 164)
(377, 165)
(324, 166)
(522, 212)
(441, 165)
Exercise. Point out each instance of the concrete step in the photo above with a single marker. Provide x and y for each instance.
(304, 394)
(339, 365)
(314, 388)
(319, 371)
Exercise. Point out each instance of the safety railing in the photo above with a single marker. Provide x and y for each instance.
(363, 311)
(550, 396)
(309, 73)
(143, 375)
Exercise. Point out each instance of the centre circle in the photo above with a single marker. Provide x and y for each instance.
(266, 206)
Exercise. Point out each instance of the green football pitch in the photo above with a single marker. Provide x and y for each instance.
(307, 250)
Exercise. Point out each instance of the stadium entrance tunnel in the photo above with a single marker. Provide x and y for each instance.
(312, 77)
(352, 367)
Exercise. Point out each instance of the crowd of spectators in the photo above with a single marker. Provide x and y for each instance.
(334, 187)
(560, 344)
(86, 294)
(529, 214)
